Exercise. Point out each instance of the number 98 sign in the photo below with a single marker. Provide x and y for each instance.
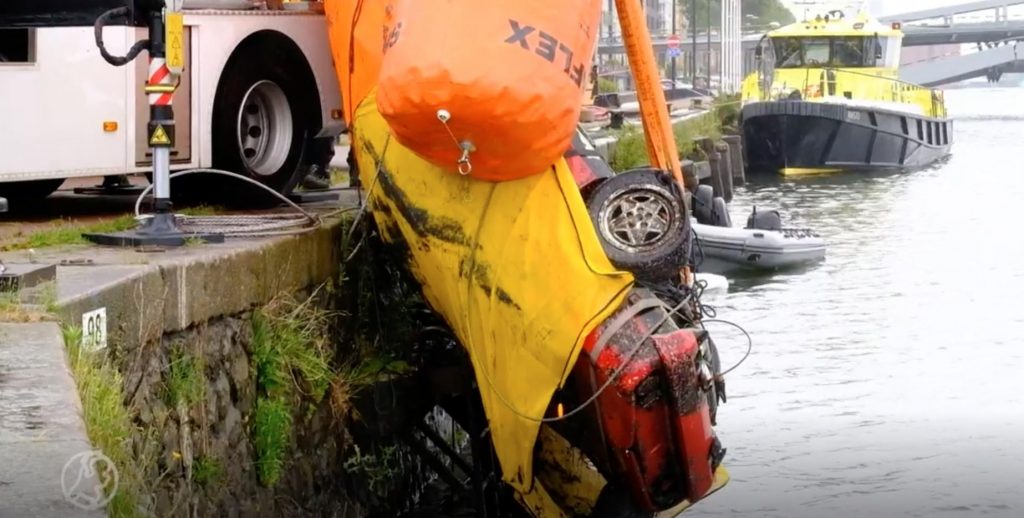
(94, 329)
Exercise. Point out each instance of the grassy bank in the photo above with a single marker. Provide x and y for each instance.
(110, 425)
(631, 148)
(69, 232)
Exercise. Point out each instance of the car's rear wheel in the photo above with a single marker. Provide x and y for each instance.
(641, 223)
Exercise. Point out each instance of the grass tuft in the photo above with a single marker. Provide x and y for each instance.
(68, 232)
(339, 176)
(291, 357)
(184, 383)
(48, 297)
(268, 362)
(13, 310)
(201, 210)
(291, 348)
(271, 432)
(376, 468)
(108, 423)
(10, 301)
(206, 471)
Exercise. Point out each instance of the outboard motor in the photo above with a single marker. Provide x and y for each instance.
(764, 220)
(720, 213)
(703, 201)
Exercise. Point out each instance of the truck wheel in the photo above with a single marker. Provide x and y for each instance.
(29, 190)
(641, 224)
(262, 116)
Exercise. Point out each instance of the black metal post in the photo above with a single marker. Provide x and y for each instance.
(160, 229)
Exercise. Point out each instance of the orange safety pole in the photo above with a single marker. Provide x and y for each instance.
(661, 140)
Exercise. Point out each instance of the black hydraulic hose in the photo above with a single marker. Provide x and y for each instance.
(133, 52)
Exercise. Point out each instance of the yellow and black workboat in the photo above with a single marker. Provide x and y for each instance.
(826, 97)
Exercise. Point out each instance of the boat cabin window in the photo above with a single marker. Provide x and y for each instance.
(836, 51)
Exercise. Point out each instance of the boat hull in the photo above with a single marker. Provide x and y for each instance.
(726, 249)
(807, 137)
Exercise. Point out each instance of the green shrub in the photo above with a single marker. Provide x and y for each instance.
(630, 149)
(606, 86)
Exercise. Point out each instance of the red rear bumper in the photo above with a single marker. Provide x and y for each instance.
(654, 420)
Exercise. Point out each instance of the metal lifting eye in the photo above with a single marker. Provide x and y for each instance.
(467, 147)
(465, 167)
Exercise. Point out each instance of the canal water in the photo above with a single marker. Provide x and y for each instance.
(889, 380)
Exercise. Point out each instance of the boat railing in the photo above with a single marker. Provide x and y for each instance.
(820, 84)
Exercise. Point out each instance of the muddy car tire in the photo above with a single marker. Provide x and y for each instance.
(641, 222)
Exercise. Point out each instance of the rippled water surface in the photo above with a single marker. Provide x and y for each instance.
(889, 380)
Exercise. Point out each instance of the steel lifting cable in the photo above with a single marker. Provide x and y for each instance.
(611, 379)
(264, 225)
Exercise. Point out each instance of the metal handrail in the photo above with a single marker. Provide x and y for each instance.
(825, 81)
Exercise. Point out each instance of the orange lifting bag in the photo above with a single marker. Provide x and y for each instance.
(492, 89)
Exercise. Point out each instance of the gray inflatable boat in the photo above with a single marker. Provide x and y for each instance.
(764, 244)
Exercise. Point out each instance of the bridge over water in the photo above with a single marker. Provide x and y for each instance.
(987, 23)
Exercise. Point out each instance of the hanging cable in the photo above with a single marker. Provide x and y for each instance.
(263, 225)
(97, 29)
(750, 342)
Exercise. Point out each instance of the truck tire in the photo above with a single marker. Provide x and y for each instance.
(641, 223)
(264, 111)
(29, 190)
